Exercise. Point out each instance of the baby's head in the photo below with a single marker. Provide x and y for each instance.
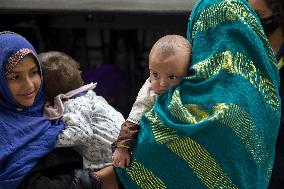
(168, 62)
(61, 73)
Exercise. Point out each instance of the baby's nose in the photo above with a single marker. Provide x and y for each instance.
(164, 83)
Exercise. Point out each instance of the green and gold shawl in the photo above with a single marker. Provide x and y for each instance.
(218, 128)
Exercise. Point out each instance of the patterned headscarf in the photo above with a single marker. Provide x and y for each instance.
(25, 135)
(218, 128)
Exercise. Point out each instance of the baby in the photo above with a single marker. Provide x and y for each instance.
(168, 64)
(91, 124)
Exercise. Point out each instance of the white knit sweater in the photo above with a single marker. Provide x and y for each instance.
(143, 103)
(91, 126)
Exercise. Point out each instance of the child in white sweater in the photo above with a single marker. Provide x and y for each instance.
(91, 124)
(168, 64)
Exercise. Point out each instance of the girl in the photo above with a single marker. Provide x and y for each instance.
(27, 138)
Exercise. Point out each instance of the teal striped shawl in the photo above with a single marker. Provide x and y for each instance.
(218, 128)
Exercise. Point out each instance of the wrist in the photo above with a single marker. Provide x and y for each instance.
(122, 146)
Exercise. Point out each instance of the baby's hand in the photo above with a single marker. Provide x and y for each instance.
(121, 157)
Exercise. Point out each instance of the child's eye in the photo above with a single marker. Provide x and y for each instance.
(13, 77)
(172, 77)
(35, 72)
(155, 75)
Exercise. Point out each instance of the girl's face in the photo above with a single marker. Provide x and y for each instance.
(261, 9)
(24, 81)
(168, 72)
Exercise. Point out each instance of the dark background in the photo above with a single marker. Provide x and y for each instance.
(114, 33)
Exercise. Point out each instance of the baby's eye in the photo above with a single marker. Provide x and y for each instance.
(155, 75)
(172, 77)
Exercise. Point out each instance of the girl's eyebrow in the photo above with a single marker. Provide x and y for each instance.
(13, 72)
(16, 72)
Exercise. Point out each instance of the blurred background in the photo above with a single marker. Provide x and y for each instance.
(110, 39)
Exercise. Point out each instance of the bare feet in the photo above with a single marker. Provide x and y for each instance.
(107, 177)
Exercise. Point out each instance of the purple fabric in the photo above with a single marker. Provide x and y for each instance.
(111, 81)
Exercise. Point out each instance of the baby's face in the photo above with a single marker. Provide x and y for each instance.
(167, 72)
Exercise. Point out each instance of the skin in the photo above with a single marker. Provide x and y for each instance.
(168, 72)
(24, 81)
(121, 157)
(263, 11)
(108, 178)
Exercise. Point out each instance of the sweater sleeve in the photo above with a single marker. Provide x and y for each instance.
(130, 128)
(127, 135)
(144, 102)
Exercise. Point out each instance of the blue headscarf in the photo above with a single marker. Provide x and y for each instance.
(25, 135)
